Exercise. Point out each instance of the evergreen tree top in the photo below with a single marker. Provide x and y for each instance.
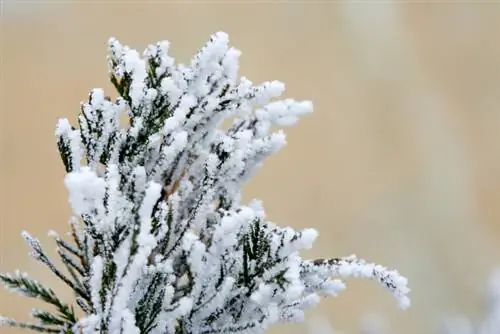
(161, 242)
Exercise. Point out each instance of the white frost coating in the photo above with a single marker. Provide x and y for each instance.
(231, 63)
(98, 96)
(135, 65)
(121, 256)
(145, 238)
(72, 139)
(128, 323)
(134, 130)
(34, 245)
(63, 127)
(86, 191)
(168, 85)
(351, 266)
(309, 235)
(163, 243)
(87, 325)
(284, 113)
(96, 282)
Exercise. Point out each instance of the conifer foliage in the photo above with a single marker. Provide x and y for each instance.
(160, 240)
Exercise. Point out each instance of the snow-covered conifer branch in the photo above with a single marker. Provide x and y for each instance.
(161, 241)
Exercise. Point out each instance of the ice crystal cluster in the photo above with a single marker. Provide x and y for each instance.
(161, 242)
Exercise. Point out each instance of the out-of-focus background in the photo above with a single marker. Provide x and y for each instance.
(400, 163)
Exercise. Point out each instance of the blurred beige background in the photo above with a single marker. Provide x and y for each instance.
(400, 163)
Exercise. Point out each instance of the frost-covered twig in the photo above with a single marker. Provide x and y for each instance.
(161, 242)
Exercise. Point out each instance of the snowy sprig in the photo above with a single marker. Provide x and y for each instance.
(161, 241)
(353, 267)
